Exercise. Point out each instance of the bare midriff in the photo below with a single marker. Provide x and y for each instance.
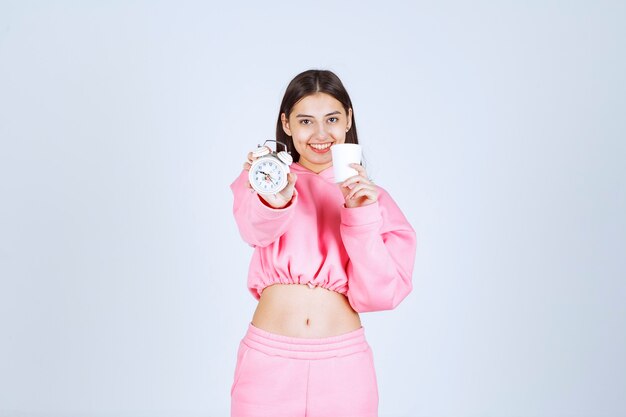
(297, 310)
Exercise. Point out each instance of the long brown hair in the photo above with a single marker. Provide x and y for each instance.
(307, 83)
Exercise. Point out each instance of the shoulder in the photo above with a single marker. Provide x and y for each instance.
(389, 209)
(383, 195)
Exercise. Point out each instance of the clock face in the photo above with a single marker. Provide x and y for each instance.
(267, 176)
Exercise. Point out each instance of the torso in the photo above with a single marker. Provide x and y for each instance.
(296, 310)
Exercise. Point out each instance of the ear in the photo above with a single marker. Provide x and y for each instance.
(349, 119)
(286, 128)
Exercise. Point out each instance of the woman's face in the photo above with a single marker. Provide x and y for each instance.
(316, 122)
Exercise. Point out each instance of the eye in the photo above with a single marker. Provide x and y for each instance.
(305, 122)
(333, 119)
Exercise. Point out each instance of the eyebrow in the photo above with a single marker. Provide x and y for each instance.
(329, 114)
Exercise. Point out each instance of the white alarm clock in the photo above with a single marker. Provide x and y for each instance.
(268, 173)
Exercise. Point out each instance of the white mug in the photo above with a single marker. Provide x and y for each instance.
(343, 155)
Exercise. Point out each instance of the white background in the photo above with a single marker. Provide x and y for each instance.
(498, 128)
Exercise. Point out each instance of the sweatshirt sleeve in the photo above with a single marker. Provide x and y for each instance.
(381, 245)
(259, 224)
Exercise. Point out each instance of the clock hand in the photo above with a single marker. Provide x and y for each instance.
(268, 177)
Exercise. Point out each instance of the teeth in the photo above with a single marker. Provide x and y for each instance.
(320, 146)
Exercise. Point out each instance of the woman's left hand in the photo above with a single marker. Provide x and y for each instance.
(359, 191)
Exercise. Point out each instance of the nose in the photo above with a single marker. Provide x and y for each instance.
(321, 133)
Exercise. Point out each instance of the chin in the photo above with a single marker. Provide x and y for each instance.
(321, 159)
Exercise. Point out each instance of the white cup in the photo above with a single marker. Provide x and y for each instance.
(343, 155)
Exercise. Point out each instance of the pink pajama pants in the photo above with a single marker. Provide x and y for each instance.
(281, 376)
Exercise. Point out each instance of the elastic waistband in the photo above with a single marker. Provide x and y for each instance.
(305, 348)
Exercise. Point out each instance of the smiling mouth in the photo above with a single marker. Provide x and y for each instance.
(320, 146)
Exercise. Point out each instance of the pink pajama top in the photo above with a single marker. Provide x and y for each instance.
(366, 253)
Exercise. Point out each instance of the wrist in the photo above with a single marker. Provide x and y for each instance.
(276, 205)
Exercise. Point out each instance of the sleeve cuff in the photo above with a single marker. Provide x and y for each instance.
(267, 212)
(361, 216)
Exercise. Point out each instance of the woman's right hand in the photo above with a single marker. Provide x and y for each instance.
(280, 199)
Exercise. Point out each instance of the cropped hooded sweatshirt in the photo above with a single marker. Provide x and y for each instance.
(365, 253)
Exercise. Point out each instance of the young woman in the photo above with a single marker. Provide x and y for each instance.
(324, 252)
